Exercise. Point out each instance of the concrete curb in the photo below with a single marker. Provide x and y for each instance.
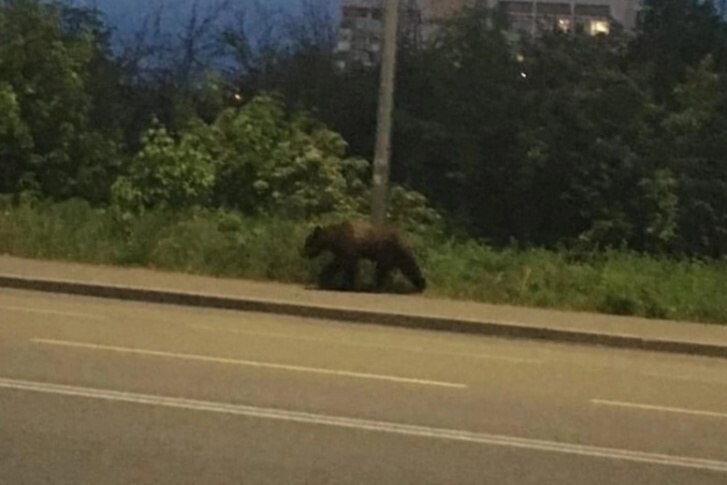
(497, 329)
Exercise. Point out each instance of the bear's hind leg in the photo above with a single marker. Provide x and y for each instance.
(326, 278)
(350, 271)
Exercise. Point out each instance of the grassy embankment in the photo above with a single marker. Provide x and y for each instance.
(226, 244)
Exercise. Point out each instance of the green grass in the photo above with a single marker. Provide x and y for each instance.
(223, 243)
(622, 283)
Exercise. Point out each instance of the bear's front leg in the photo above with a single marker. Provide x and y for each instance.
(382, 275)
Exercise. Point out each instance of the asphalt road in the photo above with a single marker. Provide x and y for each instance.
(103, 392)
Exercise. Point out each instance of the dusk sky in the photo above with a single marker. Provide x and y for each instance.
(125, 12)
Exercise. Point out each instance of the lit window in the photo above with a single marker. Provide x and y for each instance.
(564, 25)
(600, 27)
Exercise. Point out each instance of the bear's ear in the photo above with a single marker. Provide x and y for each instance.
(317, 230)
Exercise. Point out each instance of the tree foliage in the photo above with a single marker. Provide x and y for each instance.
(560, 140)
(167, 173)
(47, 63)
(272, 163)
(255, 159)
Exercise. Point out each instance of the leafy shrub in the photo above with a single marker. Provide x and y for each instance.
(260, 161)
(167, 174)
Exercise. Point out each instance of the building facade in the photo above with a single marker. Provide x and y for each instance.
(589, 16)
(361, 31)
(360, 35)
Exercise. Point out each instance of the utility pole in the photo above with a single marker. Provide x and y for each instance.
(573, 17)
(380, 188)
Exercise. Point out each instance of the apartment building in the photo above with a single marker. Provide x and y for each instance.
(360, 35)
(435, 11)
(589, 16)
(361, 32)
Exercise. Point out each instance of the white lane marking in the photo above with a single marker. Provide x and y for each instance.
(250, 363)
(665, 409)
(422, 350)
(369, 425)
(52, 312)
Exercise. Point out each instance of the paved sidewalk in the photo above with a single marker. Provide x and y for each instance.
(401, 310)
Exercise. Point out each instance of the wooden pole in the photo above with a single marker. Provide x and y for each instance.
(382, 156)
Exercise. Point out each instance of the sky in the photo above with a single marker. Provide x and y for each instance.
(122, 13)
(126, 17)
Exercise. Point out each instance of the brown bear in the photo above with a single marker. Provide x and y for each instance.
(352, 241)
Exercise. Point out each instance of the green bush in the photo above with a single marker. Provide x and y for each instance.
(167, 174)
(262, 162)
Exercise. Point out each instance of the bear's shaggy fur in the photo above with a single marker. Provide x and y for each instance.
(352, 241)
